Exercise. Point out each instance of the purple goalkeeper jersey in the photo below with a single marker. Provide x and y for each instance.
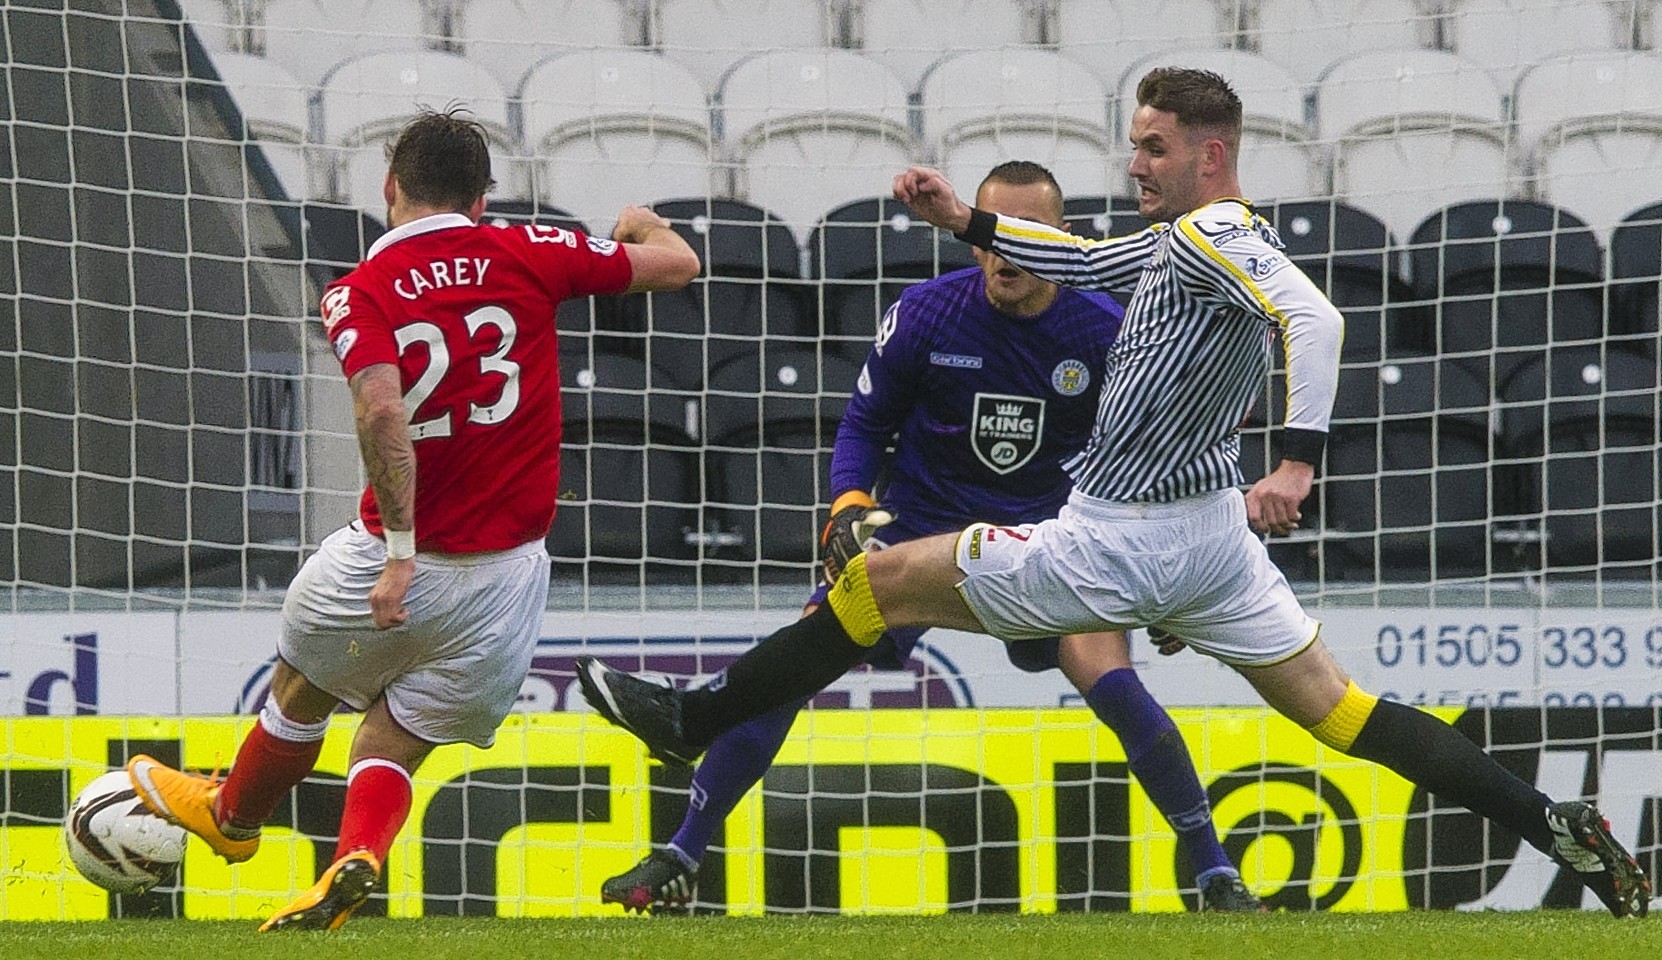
(982, 407)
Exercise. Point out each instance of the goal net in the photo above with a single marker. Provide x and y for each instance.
(1475, 183)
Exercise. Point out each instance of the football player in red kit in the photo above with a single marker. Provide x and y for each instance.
(423, 612)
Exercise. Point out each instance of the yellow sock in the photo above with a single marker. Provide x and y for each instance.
(1340, 728)
(856, 609)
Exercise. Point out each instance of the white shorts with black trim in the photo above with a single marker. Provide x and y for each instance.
(1192, 567)
(453, 670)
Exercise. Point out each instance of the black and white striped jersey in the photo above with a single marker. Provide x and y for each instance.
(1208, 292)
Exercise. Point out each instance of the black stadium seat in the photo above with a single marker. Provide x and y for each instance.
(867, 252)
(1509, 276)
(1636, 280)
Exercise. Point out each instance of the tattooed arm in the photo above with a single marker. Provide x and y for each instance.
(389, 460)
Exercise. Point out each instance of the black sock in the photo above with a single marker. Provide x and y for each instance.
(795, 662)
(1429, 753)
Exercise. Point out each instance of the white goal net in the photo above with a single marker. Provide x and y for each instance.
(1476, 183)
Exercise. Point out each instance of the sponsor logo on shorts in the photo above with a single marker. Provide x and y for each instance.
(975, 544)
(958, 360)
(1007, 430)
(1070, 378)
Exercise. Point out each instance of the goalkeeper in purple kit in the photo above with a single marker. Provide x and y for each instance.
(985, 381)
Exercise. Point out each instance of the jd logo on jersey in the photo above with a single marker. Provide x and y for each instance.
(1007, 430)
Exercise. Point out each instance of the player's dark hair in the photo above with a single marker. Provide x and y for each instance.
(441, 160)
(1201, 100)
(1022, 173)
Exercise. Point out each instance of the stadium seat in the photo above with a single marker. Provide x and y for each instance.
(505, 213)
(1636, 280)
(336, 237)
(509, 36)
(1304, 36)
(1582, 424)
(1276, 160)
(1414, 130)
(1410, 478)
(615, 126)
(1098, 217)
(981, 109)
(811, 129)
(750, 290)
(1351, 256)
(220, 25)
(771, 420)
(275, 113)
(865, 253)
(309, 38)
(1106, 36)
(365, 102)
(887, 31)
(709, 36)
(1591, 121)
(629, 487)
(1506, 36)
(1510, 279)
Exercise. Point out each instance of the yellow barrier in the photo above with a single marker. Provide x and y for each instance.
(1024, 809)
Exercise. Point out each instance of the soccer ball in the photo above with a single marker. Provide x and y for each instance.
(114, 839)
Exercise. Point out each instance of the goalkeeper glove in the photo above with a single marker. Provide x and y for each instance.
(855, 517)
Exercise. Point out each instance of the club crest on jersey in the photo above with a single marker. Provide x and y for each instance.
(1070, 378)
(1007, 430)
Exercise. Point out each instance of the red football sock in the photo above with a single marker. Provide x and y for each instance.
(267, 767)
(377, 801)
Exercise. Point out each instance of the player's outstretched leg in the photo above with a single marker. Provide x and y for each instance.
(735, 762)
(1311, 689)
(277, 754)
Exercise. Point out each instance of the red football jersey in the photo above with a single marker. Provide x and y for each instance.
(467, 314)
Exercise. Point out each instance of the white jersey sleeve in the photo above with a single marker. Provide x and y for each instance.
(1115, 263)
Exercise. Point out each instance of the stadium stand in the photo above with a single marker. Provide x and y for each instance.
(604, 125)
(1505, 36)
(1589, 121)
(308, 38)
(885, 30)
(1412, 131)
(367, 100)
(509, 36)
(710, 36)
(1304, 36)
(275, 113)
(980, 109)
(810, 129)
(1107, 35)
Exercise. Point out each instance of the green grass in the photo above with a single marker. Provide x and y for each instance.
(1558, 935)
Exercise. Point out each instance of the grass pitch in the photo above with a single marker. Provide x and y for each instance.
(1558, 935)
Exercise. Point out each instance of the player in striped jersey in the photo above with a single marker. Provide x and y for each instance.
(982, 379)
(1156, 533)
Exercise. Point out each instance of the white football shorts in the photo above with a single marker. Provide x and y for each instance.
(453, 670)
(1192, 567)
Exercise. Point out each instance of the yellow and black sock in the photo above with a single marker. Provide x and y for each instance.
(796, 661)
(1437, 758)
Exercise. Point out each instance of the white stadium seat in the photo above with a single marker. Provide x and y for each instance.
(1277, 160)
(1413, 131)
(812, 129)
(1506, 36)
(709, 36)
(888, 31)
(366, 101)
(274, 107)
(1593, 126)
(309, 37)
(508, 36)
(616, 126)
(1305, 36)
(1109, 35)
(981, 109)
